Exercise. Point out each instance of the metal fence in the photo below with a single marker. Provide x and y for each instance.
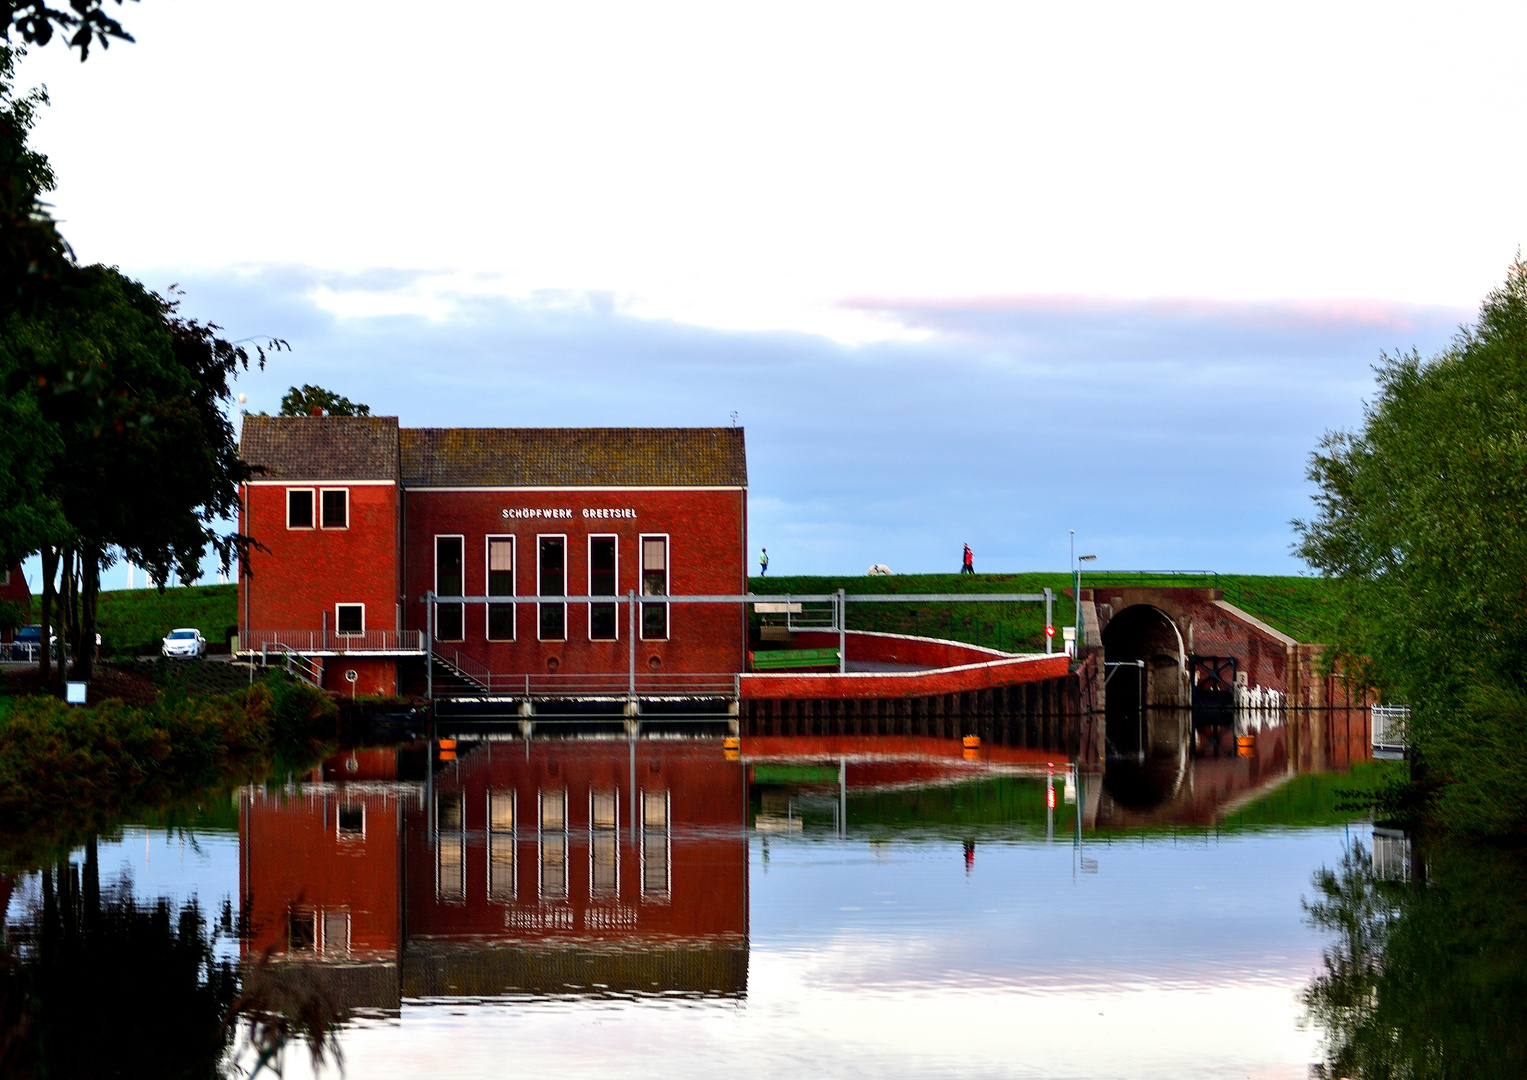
(328, 641)
(1390, 734)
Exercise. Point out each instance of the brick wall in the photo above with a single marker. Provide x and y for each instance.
(707, 531)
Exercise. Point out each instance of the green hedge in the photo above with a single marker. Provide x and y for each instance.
(67, 771)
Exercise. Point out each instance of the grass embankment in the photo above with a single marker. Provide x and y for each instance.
(68, 772)
(1301, 607)
(134, 621)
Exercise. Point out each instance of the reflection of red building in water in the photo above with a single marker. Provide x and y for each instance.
(523, 867)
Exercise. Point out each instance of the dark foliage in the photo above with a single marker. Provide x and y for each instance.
(302, 402)
(1424, 982)
(1420, 518)
(81, 23)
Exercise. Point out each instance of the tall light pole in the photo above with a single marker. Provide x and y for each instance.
(1077, 596)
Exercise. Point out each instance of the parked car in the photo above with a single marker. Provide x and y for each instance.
(27, 640)
(186, 641)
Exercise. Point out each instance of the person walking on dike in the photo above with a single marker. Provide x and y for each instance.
(968, 566)
(763, 563)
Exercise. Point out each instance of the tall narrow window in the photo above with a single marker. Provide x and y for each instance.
(449, 623)
(501, 879)
(500, 583)
(299, 508)
(554, 845)
(654, 583)
(450, 848)
(603, 624)
(655, 838)
(604, 845)
(551, 562)
(336, 508)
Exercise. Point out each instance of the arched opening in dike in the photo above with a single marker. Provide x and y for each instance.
(1147, 703)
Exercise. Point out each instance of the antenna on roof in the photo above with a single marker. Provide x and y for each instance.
(734, 418)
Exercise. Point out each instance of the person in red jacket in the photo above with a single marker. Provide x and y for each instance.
(969, 565)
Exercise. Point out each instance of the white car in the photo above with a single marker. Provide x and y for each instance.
(186, 641)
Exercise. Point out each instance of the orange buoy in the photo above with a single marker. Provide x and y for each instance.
(1245, 746)
(732, 742)
(972, 742)
(447, 744)
(447, 755)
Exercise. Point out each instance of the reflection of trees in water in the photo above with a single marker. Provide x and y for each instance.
(1424, 982)
(96, 984)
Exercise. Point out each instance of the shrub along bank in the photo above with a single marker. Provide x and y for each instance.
(69, 771)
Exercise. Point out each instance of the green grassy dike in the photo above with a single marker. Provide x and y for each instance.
(1302, 607)
(133, 621)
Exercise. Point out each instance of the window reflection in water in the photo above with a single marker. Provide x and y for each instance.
(553, 845)
(451, 848)
(501, 877)
(604, 845)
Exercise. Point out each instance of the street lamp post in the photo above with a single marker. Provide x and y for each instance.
(1077, 595)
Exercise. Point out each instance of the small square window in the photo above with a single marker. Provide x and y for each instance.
(302, 931)
(299, 508)
(336, 933)
(352, 820)
(336, 509)
(350, 618)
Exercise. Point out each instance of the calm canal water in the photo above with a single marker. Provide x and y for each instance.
(532, 909)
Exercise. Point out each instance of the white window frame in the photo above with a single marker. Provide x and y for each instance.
(349, 837)
(345, 633)
(319, 522)
(641, 571)
(325, 947)
(514, 584)
(539, 592)
(312, 507)
(435, 579)
(615, 596)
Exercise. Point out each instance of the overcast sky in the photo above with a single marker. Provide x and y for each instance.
(979, 273)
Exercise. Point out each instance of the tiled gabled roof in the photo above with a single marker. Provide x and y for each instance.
(573, 457)
(321, 447)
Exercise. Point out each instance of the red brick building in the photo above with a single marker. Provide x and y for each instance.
(357, 521)
(13, 588)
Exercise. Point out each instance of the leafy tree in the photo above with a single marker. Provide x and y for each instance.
(302, 402)
(113, 435)
(147, 463)
(1421, 516)
(84, 21)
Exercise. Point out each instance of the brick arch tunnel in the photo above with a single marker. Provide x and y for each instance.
(1147, 703)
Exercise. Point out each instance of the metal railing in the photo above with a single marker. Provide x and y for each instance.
(1390, 724)
(329, 641)
(464, 666)
(619, 686)
(295, 664)
(20, 652)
